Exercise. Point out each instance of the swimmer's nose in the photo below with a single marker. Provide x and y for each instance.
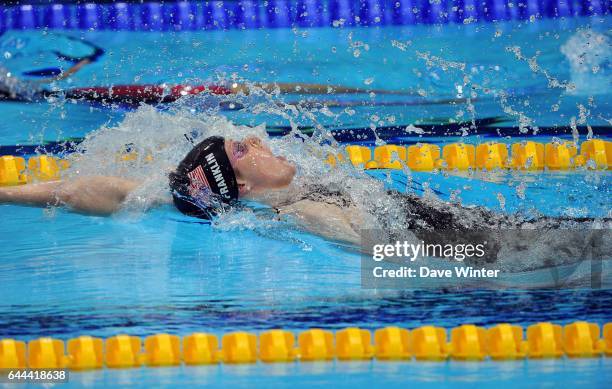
(257, 143)
(254, 141)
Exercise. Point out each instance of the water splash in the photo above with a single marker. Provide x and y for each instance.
(149, 143)
(589, 54)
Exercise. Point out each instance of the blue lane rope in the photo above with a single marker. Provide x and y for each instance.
(249, 14)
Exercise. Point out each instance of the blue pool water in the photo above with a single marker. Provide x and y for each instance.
(380, 58)
(65, 275)
(361, 374)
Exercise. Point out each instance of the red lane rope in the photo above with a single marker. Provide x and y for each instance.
(143, 93)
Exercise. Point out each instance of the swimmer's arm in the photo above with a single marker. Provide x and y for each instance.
(73, 69)
(327, 220)
(78, 66)
(97, 195)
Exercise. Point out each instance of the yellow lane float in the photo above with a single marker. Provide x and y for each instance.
(467, 342)
(525, 155)
(316, 345)
(595, 154)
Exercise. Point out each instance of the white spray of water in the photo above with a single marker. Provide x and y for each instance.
(148, 144)
(589, 54)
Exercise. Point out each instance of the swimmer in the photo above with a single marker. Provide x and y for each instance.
(219, 174)
(13, 88)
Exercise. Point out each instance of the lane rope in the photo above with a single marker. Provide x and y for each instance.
(594, 154)
(252, 14)
(430, 343)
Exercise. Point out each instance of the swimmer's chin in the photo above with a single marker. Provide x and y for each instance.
(271, 197)
(275, 197)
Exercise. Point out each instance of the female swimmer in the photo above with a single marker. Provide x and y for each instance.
(218, 174)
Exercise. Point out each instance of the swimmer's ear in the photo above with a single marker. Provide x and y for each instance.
(243, 188)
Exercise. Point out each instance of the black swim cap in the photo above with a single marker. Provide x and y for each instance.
(204, 182)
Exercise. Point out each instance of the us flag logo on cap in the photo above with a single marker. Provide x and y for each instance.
(198, 182)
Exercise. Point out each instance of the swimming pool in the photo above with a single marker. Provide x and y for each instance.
(64, 275)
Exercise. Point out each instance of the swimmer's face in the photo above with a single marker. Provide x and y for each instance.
(257, 169)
